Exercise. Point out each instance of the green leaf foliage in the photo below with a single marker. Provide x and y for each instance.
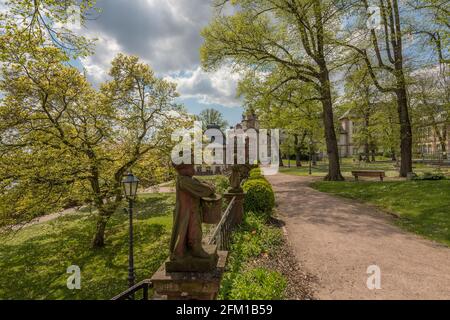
(259, 197)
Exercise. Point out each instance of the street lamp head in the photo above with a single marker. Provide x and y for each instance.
(130, 185)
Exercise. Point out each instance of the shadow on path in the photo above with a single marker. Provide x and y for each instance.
(338, 239)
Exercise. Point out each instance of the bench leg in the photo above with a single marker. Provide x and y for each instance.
(356, 178)
(381, 178)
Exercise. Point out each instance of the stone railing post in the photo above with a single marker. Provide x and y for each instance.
(237, 211)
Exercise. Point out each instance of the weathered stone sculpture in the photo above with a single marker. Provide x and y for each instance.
(235, 179)
(186, 251)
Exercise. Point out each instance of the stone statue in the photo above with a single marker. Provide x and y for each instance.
(235, 179)
(186, 251)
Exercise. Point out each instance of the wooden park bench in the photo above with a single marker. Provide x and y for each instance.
(369, 173)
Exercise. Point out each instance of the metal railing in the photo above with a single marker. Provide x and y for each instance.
(129, 294)
(221, 235)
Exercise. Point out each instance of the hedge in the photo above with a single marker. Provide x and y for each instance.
(242, 280)
(259, 197)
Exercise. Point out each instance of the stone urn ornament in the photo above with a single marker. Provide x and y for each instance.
(211, 209)
(235, 179)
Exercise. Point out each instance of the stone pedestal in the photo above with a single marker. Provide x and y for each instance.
(189, 285)
(192, 264)
(237, 212)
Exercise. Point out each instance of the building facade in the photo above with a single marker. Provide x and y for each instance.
(249, 121)
(346, 131)
(426, 139)
(428, 142)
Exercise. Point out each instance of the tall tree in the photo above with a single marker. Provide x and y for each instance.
(384, 58)
(288, 106)
(433, 27)
(54, 118)
(212, 116)
(287, 35)
(39, 23)
(363, 99)
(430, 99)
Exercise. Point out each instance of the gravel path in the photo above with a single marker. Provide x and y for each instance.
(336, 240)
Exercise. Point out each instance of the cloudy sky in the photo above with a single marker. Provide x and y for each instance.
(166, 35)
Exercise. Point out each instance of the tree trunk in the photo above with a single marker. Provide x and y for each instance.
(443, 141)
(402, 97)
(298, 154)
(99, 238)
(366, 152)
(405, 133)
(366, 138)
(102, 220)
(280, 156)
(393, 156)
(444, 150)
(298, 161)
(334, 167)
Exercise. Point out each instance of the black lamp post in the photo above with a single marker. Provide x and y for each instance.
(310, 156)
(130, 185)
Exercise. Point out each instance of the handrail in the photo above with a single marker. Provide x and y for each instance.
(144, 285)
(220, 236)
(222, 226)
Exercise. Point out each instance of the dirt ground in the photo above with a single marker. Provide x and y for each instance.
(336, 240)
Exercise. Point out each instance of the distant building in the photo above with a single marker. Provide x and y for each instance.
(346, 131)
(428, 142)
(426, 139)
(249, 121)
(215, 168)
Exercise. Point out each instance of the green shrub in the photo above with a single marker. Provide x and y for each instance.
(256, 173)
(258, 284)
(252, 239)
(222, 184)
(436, 175)
(259, 197)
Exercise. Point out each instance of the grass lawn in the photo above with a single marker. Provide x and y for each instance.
(34, 260)
(423, 206)
(347, 165)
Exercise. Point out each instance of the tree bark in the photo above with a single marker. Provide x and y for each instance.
(298, 161)
(444, 145)
(444, 150)
(405, 133)
(393, 156)
(280, 156)
(99, 238)
(442, 137)
(402, 97)
(298, 151)
(334, 167)
(366, 138)
(366, 152)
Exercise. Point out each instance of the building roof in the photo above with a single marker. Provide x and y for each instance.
(213, 126)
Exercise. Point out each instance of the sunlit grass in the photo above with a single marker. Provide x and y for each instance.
(35, 259)
(348, 164)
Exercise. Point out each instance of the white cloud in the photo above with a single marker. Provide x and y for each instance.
(166, 35)
(217, 87)
(98, 65)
